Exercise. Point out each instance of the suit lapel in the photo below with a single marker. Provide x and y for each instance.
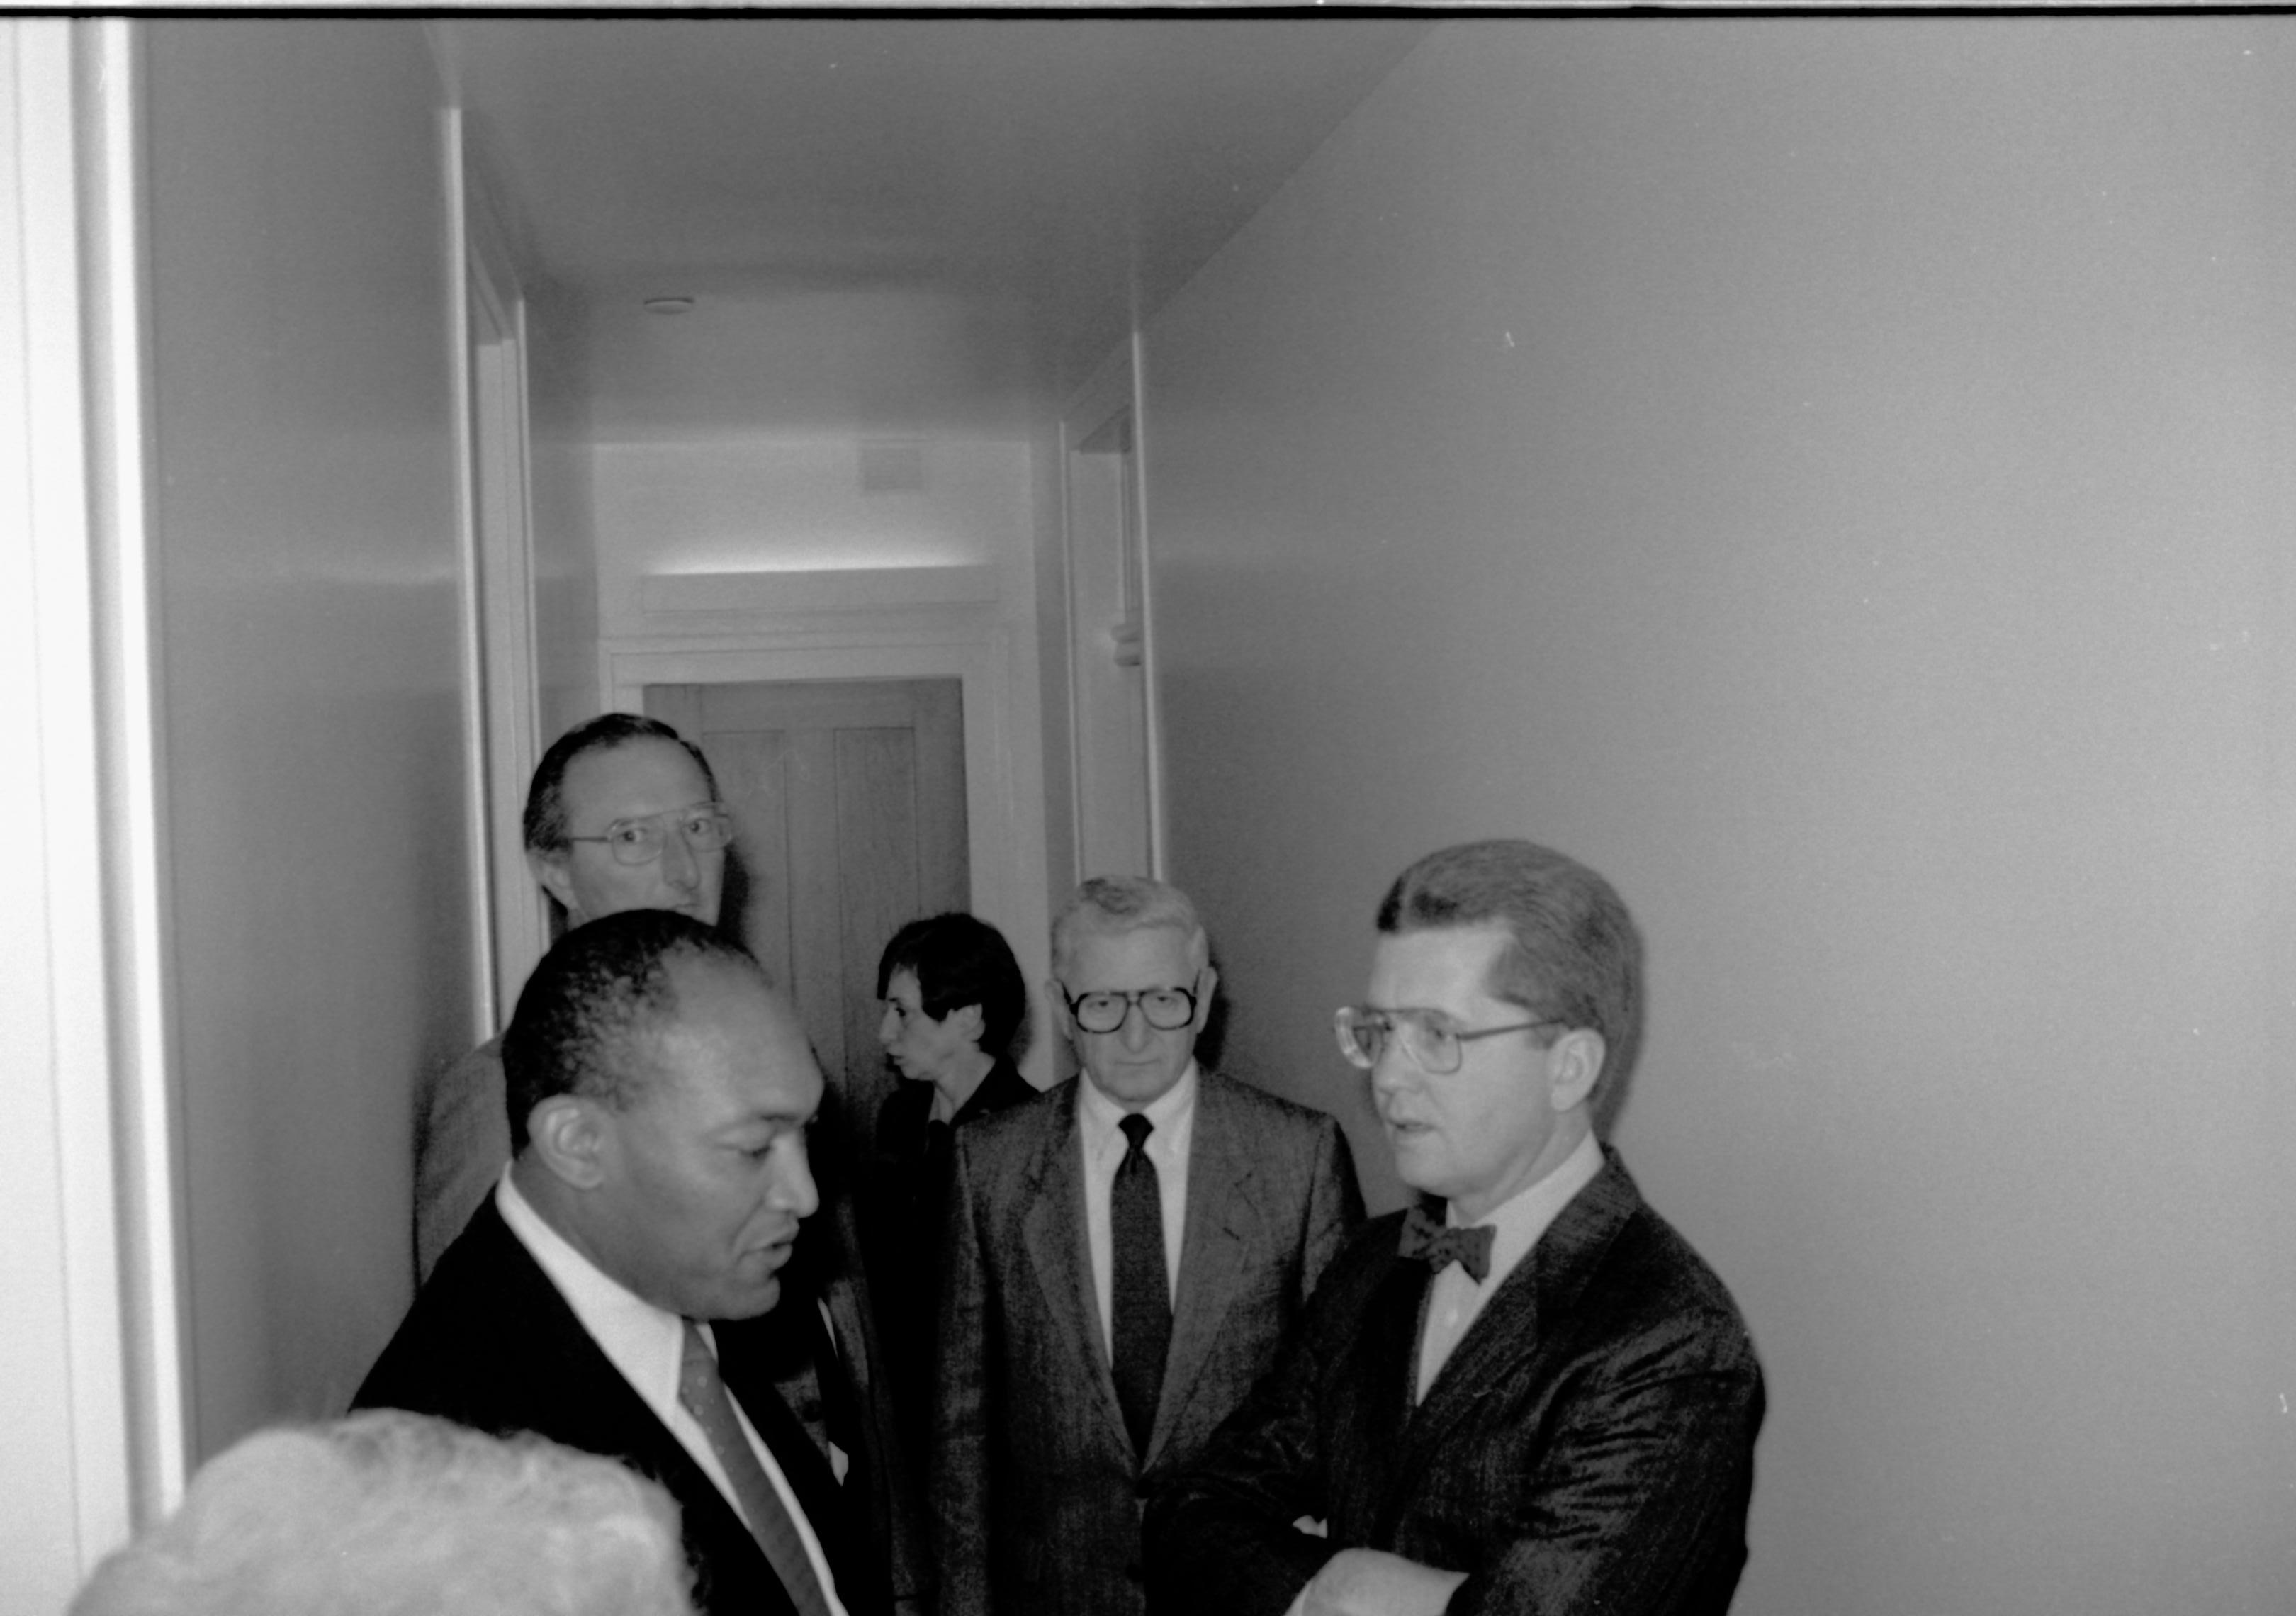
(1387, 1348)
(1545, 1285)
(802, 1467)
(583, 1401)
(1217, 1233)
(1060, 1254)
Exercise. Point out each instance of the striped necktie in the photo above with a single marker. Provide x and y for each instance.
(703, 1392)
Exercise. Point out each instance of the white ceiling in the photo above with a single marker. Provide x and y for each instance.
(903, 224)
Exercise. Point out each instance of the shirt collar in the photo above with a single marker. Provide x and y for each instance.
(1100, 1117)
(645, 1342)
(1526, 1215)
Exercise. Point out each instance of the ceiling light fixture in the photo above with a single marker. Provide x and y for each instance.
(668, 305)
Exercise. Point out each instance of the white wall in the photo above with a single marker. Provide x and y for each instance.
(1836, 478)
(73, 1381)
(863, 446)
(733, 437)
(308, 617)
(563, 526)
(794, 502)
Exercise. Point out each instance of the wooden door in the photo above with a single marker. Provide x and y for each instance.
(849, 795)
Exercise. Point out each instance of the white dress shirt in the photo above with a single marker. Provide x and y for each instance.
(1455, 1299)
(646, 1344)
(1173, 1114)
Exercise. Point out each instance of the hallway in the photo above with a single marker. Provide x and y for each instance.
(1832, 476)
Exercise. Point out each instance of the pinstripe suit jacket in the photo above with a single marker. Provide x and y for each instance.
(1036, 1493)
(1588, 1447)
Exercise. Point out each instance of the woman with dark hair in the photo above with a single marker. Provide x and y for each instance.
(954, 1003)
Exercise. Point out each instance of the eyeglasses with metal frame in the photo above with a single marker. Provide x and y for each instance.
(1165, 1009)
(1433, 1045)
(704, 827)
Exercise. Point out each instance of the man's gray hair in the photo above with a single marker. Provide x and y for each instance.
(391, 1513)
(1108, 905)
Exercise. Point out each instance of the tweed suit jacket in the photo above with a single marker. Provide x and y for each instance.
(490, 1343)
(459, 1149)
(1588, 1446)
(1036, 1492)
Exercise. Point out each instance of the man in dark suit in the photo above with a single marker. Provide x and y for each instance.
(1124, 1254)
(623, 814)
(1529, 1394)
(659, 1093)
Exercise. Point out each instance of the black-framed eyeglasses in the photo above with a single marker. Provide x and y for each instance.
(704, 827)
(1166, 1009)
(1433, 1045)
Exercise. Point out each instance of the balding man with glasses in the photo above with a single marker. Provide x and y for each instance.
(1124, 1253)
(622, 814)
(1527, 1393)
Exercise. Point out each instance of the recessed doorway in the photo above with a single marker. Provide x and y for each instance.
(851, 797)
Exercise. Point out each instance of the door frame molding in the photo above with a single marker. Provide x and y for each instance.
(96, 1345)
(966, 641)
(1116, 388)
(501, 699)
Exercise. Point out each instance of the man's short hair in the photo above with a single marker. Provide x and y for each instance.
(392, 1513)
(1108, 905)
(546, 798)
(1576, 957)
(959, 960)
(602, 987)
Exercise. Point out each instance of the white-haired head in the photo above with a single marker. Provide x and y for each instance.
(1110, 906)
(388, 1513)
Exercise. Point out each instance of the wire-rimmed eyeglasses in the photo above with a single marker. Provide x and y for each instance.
(1166, 1009)
(1434, 1045)
(704, 827)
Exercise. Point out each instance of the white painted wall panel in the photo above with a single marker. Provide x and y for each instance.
(564, 526)
(309, 613)
(798, 504)
(1835, 478)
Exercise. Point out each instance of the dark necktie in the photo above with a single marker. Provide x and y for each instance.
(1140, 1295)
(1427, 1239)
(703, 1392)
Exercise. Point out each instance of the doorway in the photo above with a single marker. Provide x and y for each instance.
(851, 798)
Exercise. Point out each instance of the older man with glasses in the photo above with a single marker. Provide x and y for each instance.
(1527, 1393)
(1124, 1253)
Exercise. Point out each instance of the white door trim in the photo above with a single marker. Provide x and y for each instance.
(501, 687)
(94, 1345)
(1112, 392)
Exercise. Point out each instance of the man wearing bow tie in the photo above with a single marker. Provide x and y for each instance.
(1528, 1394)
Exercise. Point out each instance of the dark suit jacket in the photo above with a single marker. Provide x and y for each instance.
(490, 1343)
(909, 1174)
(1588, 1446)
(880, 1490)
(1035, 1489)
(903, 1233)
